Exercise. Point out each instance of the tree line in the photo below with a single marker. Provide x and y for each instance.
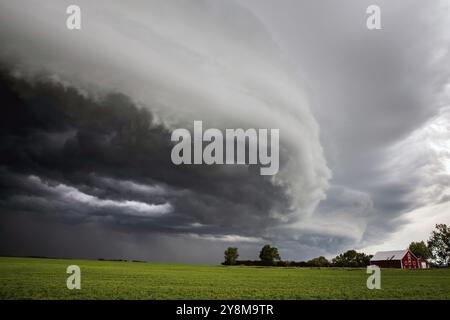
(437, 248)
(269, 256)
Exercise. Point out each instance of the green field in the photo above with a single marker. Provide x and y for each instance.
(29, 278)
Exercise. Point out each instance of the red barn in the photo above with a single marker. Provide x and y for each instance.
(402, 259)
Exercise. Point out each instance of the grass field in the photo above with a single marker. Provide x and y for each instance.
(29, 278)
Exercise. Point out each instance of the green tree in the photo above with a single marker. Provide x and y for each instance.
(352, 259)
(420, 250)
(231, 255)
(269, 254)
(439, 244)
(319, 262)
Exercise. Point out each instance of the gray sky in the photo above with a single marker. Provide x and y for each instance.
(363, 117)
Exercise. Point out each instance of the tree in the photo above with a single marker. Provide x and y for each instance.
(319, 262)
(420, 250)
(352, 259)
(231, 255)
(439, 244)
(269, 254)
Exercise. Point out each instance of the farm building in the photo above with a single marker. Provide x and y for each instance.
(403, 259)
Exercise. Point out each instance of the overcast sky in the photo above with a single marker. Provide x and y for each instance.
(364, 119)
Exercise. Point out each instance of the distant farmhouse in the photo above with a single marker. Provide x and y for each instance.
(402, 259)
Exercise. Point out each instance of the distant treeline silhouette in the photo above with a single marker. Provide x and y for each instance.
(269, 257)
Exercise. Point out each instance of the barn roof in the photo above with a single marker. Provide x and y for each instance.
(389, 255)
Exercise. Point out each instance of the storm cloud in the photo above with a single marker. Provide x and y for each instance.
(84, 159)
(87, 117)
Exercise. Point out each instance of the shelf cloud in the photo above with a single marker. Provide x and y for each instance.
(88, 114)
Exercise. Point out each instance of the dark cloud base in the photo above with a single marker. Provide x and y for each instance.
(73, 159)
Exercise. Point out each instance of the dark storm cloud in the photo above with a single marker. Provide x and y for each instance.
(180, 61)
(80, 159)
(376, 96)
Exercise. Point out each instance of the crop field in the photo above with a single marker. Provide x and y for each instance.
(30, 278)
